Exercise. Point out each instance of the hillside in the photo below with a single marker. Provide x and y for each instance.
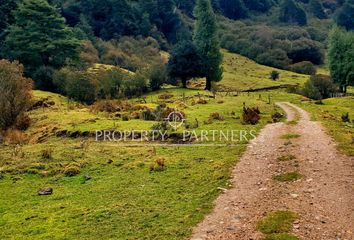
(241, 73)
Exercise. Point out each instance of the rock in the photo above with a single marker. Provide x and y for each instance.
(45, 191)
(87, 177)
(293, 195)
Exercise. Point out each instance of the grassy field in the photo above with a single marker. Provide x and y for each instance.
(330, 115)
(118, 191)
(124, 198)
(241, 73)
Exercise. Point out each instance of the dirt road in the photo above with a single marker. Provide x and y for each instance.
(323, 197)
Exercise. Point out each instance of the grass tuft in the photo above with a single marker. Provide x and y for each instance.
(290, 136)
(287, 177)
(286, 158)
(277, 222)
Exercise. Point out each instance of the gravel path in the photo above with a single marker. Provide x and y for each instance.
(323, 198)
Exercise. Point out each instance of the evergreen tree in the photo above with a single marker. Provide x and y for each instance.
(184, 62)
(341, 57)
(207, 42)
(40, 37)
(345, 15)
(317, 9)
(233, 9)
(291, 12)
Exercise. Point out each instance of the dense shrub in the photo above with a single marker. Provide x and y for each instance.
(43, 78)
(110, 83)
(274, 58)
(157, 75)
(130, 53)
(292, 12)
(306, 50)
(250, 115)
(304, 67)
(80, 86)
(15, 93)
(319, 87)
(274, 75)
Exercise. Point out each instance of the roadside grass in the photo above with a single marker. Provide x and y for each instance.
(330, 114)
(122, 198)
(287, 177)
(285, 158)
(293, 122)
(290, 136)
(241, 73)
(278, 222)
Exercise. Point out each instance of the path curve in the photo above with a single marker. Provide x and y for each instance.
(323, 198)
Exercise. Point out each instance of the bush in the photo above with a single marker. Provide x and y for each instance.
(216, 116)
(135, 85)
(345, 117)
(306, 50)
(158, 76)
(110, 83)
(15, 93)
(43, 78)
(304, 67)
(158, 166)
(23, 122)
(274, 58)
(319, 87)
(274, 75)
(81, 87)
(109, 106)
(251, 115)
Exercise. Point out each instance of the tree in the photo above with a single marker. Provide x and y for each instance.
(319, 87)
(305, 49)
(184, 62)
(291, 12)
(157, 76)
(15, 92)
(259, 5)
(207, 42)
(40, 37)
(317, 9)
(341, 57)
(233, 9)
(345, 15)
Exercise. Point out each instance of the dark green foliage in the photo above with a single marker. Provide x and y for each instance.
(110, 83)
(130, 53)
(207, 42)
(292, 12)
(35, 43)
(233, 9)
(304, 67)
(259, 5)
(319, 87)
(317, 9)
(80, 86)
(274, 75)
(184, 63)
(6, 8)
(306, 50)
(157, 76)
(274, 58)
(341, 57)
(345, 15)
(43, 78)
